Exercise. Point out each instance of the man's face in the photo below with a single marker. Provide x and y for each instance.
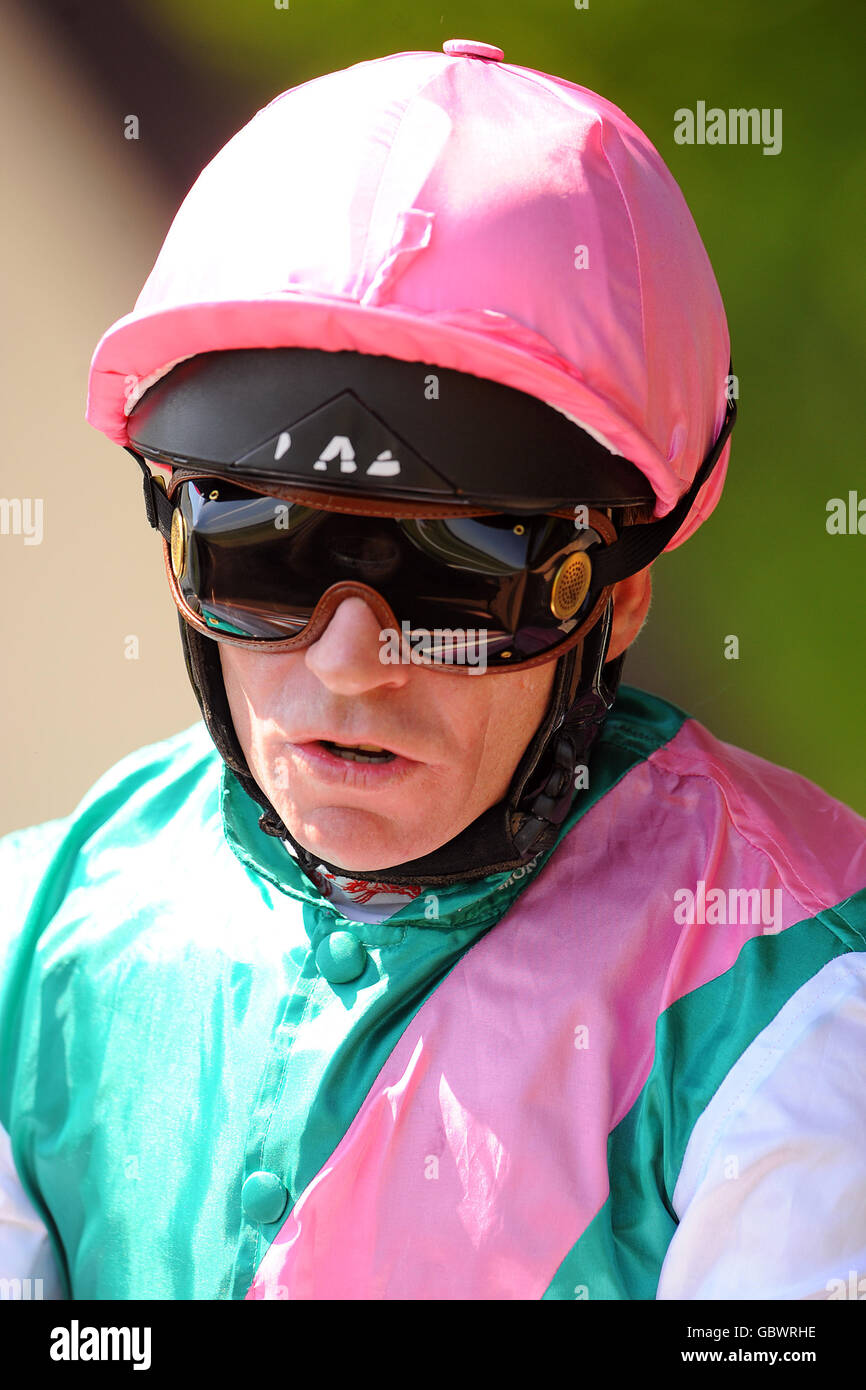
(458, 739)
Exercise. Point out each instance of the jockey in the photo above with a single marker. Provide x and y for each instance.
(432, 963)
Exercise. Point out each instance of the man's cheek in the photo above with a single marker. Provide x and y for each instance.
(279, 779)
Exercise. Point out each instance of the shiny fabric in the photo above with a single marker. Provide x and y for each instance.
(579, 1026)
(155, 1020)
(473, 214)
(498, 1103)
(802, 1078)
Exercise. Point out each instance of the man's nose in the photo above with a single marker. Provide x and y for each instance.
(346, 656)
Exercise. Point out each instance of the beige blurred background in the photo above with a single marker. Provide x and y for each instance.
(83, 220)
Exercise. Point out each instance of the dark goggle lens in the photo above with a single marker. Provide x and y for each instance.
(255, 567)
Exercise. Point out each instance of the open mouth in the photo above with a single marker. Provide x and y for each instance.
(358, 752)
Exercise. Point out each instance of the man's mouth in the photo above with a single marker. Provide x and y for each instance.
(357, 752)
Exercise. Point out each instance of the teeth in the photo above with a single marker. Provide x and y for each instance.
(364, 747)
(359, 752)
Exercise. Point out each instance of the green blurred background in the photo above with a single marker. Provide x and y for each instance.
(784, 234)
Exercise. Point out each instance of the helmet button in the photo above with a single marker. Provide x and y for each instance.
(471, 48)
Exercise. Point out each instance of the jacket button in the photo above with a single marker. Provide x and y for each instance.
(264, 1197)
(340, 957)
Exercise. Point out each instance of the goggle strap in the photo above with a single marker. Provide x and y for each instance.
(575, 733)
(156, 504)
(637, 546)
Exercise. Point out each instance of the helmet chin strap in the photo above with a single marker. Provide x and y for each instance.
(506, 836)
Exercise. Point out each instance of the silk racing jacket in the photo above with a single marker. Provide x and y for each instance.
(633, 1070)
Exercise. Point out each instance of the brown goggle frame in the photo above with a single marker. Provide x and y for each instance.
(334, 596)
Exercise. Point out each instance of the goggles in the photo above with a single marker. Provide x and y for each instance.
(258, 567)
(266, 564)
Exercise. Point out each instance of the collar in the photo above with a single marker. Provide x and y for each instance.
(480, 902)
(638, 723)
(360, 899)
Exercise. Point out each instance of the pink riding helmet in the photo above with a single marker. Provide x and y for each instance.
(454, 209)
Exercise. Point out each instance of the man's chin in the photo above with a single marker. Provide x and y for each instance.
(346, 861)
(352, 847)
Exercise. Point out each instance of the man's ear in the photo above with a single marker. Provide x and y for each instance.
(631, 601)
